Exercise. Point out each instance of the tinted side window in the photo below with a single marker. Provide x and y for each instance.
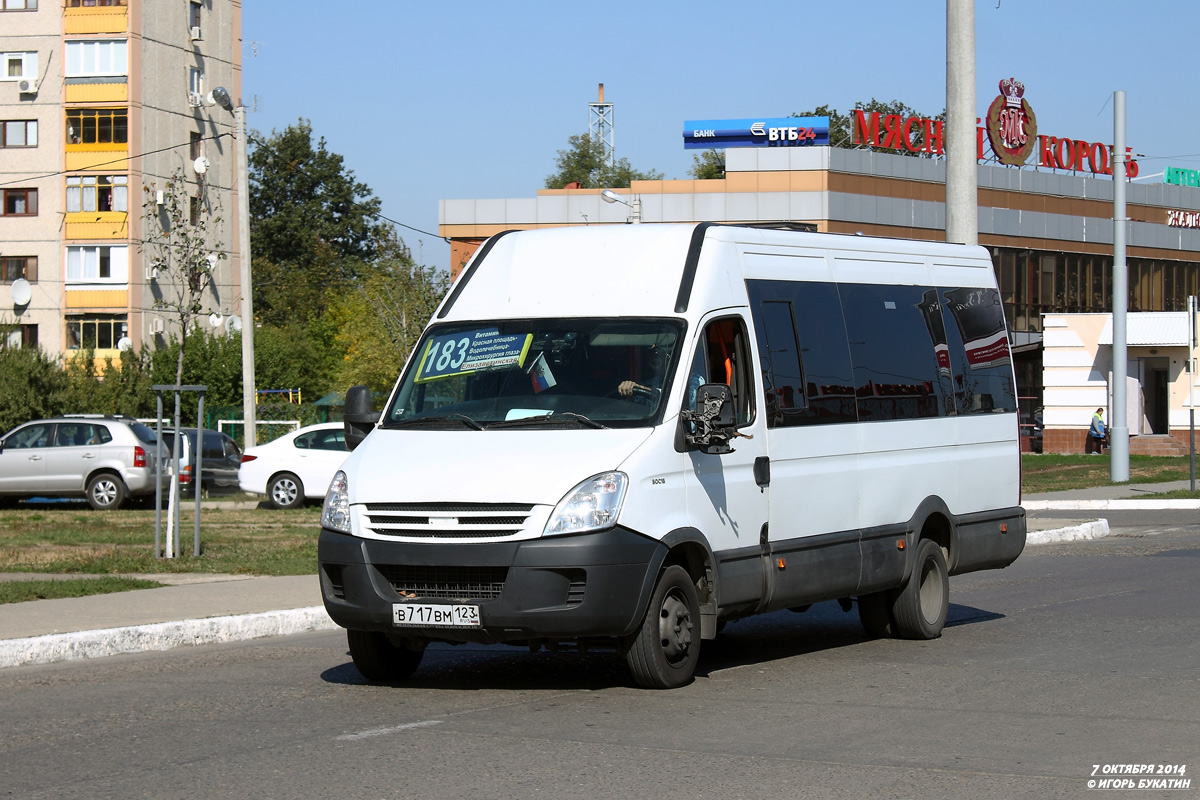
(894, 350)
(978, 346)
(213, 446)
(143, 432)
(824, 390)
(31, 436)
(331, 440)
(305, 442)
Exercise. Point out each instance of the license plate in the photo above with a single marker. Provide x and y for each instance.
(428, 615)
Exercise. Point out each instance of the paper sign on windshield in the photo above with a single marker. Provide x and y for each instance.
(472, 351)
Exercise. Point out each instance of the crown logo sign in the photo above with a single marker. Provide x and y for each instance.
(1013, 90)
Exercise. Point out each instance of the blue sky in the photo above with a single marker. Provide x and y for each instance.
(430, 101)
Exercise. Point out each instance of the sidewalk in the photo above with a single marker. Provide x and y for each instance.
(203, 609)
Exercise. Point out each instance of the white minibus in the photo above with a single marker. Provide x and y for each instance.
(623, 437)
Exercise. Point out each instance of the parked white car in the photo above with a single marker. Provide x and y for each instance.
(295, 467)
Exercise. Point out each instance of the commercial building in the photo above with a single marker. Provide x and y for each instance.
(1048, 227)
(100, 101)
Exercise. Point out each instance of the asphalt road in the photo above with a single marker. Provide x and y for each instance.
(1079, 655)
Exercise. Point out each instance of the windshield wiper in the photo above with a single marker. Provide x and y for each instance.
(555, 419)
(411, 423)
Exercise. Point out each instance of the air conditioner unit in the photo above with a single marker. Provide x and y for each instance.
(157, 326)
(195, 100)
(27, 86)
(194, 33)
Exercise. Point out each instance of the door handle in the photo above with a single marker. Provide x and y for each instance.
(762, 472)
(35, 458)
(89, 455)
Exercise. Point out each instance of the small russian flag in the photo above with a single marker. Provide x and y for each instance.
(540, 375)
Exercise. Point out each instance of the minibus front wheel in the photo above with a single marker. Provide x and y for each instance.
(377, 659)
(664, 652)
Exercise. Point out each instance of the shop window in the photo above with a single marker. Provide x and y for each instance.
(14, 268)
(97, 264)
(20, 202)
(97, 193)
(100, 58)
(97, 332)
(91, 126)
(18, 133)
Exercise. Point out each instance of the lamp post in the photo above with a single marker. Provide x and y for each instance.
(249, 395)
(609, 196)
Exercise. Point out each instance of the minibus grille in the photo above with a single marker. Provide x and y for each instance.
(447, 583)
(446, 520)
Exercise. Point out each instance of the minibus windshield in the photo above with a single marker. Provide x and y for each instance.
(538, 373)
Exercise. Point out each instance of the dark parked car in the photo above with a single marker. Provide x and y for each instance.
(220, 460)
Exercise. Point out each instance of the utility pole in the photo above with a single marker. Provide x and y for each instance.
(249, 389)
(1118, 426)
(962, 179)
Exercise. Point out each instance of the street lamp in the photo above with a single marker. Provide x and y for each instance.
(609, 196)
(220, 97)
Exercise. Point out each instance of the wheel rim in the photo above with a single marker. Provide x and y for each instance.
(104, 493)
(931, 592)
(675, 627)
(284, 492)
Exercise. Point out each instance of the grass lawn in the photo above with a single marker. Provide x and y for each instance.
(232, 541)
(1054, 473)
(20, 591)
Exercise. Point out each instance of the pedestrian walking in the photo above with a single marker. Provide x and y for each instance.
(1097, 434)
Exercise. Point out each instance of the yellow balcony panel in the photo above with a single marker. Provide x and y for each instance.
(97, 225)
(97, 93)
(101, 356)
(96, 19)
(97, 298)
(114, 159)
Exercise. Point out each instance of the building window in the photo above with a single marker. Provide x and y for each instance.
(97, 126)
(197, 148)
(18, 5)
(19, 336)
(196, 81)
(194, 210)
(193, 15)
(18, 133)
(18, 66)
(97, 332)
(97, 193)
(106, 57)
(14, 268)
(20, 203)
(97, 264)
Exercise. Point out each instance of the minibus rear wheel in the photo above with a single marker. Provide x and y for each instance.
(920, 608)
(663, 654)
(377, 659)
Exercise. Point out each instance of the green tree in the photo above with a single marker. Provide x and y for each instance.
(583, 161)
(379, 323)
(33, 386)
(312, 224)
(841, 126)
(708, 164)
(182, 242)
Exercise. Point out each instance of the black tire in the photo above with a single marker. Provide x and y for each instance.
(285, 491)
(875, 614)
(377, 659)
(664, 652)
(920, 608)
(106, 491)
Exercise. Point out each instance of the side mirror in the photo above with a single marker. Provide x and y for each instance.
(712, 424)
(359, 419)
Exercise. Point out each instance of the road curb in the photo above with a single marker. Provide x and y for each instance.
(161, 636)
(1110, 505)
(1095, 529)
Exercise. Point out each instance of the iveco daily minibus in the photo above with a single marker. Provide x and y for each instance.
(624, 436)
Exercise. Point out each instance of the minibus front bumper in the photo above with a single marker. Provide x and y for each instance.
(560, 588)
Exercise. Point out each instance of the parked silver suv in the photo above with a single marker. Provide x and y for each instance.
(105, 459)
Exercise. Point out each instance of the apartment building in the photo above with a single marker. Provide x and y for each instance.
(101, 102)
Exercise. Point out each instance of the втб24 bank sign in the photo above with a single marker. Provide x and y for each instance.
(1010, 127)
(760, 132)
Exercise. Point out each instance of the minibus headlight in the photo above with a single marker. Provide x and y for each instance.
(335, 515)
(590, 506)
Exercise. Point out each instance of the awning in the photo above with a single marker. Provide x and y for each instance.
(1151, 329)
